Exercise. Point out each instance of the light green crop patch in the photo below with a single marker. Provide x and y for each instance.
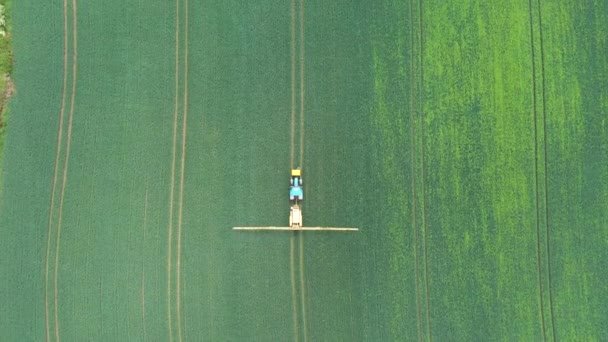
(390, 123)
(386, 122)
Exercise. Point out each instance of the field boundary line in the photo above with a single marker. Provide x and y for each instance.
(56, 170)
(424, 209)
(537, 192)
(66, 163)
(413, 170)
(181, 180)
(547, 227)
(172, 185)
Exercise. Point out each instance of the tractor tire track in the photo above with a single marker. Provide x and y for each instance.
(143, 271)
(293, 81)
(56, 170)
(172, 185)
(424, 209)
(181, 180)
(547, 227)
(302, 93)
(413, 171)
(66, 163)
(301, 83)
(303, 288)
(292, 263)
(294, 301)
(537, 191)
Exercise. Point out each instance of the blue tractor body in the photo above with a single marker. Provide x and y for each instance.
(296, 193)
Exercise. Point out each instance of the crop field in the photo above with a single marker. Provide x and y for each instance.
(468, 140)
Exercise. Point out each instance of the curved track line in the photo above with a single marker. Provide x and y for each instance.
(55, 170)
(424, 213)
(181, 179)
(535, 117)
(547, 232)
(172, 186)
(413, 170)
(66, 161)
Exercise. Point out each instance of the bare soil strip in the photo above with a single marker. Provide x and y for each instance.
(66, 161)
(537, 192)
(181, 179)
(548, 236)
(413, 170)
(424, 213)
(172, 186)
(55, 170)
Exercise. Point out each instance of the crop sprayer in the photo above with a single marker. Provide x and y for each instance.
(296, 195)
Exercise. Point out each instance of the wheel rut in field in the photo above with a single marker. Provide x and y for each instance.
(413, 171)
(303, 287)
(544, 111)
(302, 88)
(297, 14)
(541, 196)
(172, 179)
(177, 218)
(294, 292)
(535, 118)
(56, 170)
(422, 172)
(65, 166)
(143, 270)
(302, 93)
(292, 263)
(293, 82)
(181, 181)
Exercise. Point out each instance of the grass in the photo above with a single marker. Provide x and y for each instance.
(6, 66)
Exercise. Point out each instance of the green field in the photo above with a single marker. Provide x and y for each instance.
(468, 140)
